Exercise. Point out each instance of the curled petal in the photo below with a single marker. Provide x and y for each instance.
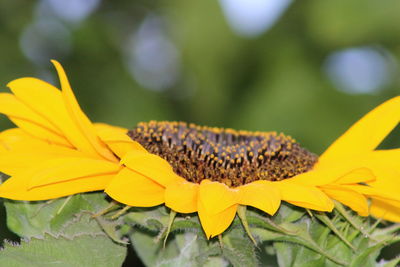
(367, 133)
(117, 139)
(216, 223)
(262, 195)
(182, 197)
(216, 197)
(151, 166)
(304, 196)
(83, 124)
(134, 189)
(348, 197)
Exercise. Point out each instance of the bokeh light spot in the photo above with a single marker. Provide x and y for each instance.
(253, 17)
(45, 38)
(73, 10)
(359, 70)
(152, 58)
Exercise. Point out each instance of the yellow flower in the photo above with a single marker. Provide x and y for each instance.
(357, 148)
(350, 171)
(56, 151)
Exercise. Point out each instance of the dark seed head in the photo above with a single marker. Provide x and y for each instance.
(224, 155)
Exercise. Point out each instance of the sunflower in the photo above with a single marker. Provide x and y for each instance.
(57, 151)
(212, 171)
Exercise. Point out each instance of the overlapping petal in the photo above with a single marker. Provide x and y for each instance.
(348, 197)
(182, 197)
(151, 166)
(262, 195)
(356, 149)
(216, 197)
(305, 196)
(215, 223)
(117, 139)
(15, 187)
(65, 169)
(384, 210)
(56, 150)
(26, 119)
(134, 189)
(84, 125)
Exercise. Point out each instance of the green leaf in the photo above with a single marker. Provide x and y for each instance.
(29, 219)
(238, 249)
(288, 213)
(391, 263)
(84, 250)
(152, 219)
(186, 255)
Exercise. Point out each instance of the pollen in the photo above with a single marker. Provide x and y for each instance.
(224, 155)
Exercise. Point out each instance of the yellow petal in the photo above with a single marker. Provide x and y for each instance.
(27, 119)
(317, 177)
(22, 151)
(304, 196)
(136, 190)
(117, 139)
(63, 169)
(215, 224)
(40, 132)
(384, 210)
(182, 197)
(13, 162)
(334, 174)
(79, 118)
(15, 139)
(216, 197)
(46, 100)
(348, 197)
(388, 180)
(366, 134)
(15, 187)
(151, 166)
(376, 193)
(260, 194)
(360, 175)
(20, 114)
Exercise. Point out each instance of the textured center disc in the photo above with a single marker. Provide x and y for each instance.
(224, 155)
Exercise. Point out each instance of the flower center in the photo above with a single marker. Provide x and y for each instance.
(224, 155)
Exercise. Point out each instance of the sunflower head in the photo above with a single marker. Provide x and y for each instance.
(223, 155)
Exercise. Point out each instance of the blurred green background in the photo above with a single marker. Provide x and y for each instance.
(306, 68)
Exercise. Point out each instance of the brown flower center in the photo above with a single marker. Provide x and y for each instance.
(224, 155)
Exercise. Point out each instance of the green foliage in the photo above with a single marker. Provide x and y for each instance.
(87, 250)
(63, 232)
(28, 219)
(294, 237)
